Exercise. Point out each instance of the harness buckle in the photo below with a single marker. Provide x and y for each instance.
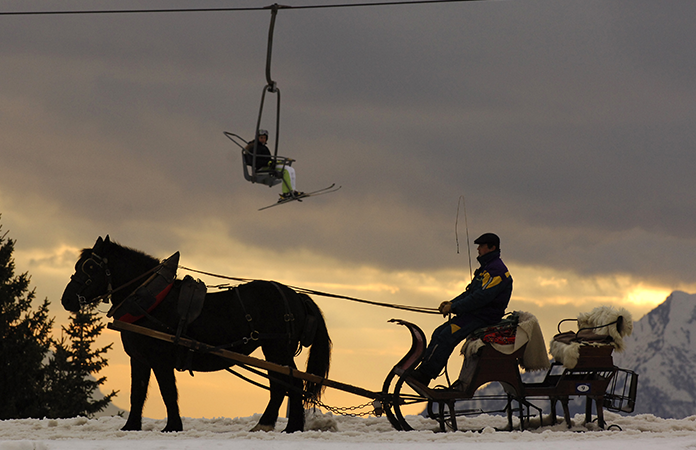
(254, 336)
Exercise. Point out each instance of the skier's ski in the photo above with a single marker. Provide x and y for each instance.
(299, 198)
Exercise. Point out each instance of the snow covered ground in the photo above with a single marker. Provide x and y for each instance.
(331, 432)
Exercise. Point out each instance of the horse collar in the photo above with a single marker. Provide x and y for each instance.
(139, 307)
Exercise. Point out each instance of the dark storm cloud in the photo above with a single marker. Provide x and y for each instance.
(553, 118)
(568, 126)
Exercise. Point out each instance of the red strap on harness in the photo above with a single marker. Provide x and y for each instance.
(129, 318)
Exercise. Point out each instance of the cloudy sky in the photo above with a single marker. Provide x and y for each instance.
(566, 127)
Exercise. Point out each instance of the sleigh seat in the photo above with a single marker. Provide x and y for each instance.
(583, 363)
(495, 354)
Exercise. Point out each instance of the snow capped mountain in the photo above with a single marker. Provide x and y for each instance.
(661, 351)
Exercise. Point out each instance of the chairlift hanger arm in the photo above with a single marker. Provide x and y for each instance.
(269, 50)
(271, 86)
(276, 91)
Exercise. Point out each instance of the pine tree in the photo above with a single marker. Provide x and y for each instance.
(24, 341)
(70, 382)
(35, 382)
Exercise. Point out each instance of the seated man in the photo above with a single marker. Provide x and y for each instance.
(264, 160)
(482, 304)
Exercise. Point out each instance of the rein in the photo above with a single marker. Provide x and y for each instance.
(418, 309)
(111, 291)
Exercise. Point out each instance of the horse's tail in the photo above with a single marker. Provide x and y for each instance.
(319, 358)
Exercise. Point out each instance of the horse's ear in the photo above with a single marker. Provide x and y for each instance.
(107, 244)
(100, 241)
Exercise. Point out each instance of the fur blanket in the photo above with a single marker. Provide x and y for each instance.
(528, 332)
(569, 353)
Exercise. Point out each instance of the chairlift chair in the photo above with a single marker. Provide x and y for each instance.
(269, 176)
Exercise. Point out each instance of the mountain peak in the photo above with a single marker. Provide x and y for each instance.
(661, 351)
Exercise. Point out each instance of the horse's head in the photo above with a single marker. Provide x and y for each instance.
(91, 279)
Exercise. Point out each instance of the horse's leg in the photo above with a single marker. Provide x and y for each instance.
(295, 407)
(270, 415)
(140, 378)
(278, 384)
(167, 384)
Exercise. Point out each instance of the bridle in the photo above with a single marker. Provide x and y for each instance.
(83, 277)
(102, 263)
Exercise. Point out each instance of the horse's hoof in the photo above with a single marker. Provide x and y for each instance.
(128, 427)
(260, 427)
(294, 426)
(173, 428)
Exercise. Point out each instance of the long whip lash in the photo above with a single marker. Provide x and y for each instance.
(462, 202)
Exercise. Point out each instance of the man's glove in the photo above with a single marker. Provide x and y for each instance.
(445, 308)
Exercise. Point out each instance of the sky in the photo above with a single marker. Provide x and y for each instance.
(566, 127)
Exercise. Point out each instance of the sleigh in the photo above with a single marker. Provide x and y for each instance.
(586, 371)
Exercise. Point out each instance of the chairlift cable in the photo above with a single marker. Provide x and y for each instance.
(225, 9)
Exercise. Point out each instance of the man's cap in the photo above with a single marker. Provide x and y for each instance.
(489, 239)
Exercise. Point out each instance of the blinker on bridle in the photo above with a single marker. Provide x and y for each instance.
(102, 264)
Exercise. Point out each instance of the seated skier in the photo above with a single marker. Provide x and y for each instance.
(264, 161)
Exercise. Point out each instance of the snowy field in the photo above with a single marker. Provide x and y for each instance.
(638, 433)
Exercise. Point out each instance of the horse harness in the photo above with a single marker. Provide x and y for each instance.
(254, 334)
(146, 297)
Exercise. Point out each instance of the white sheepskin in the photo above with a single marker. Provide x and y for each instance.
(604, 315)
(568, 354)
(528, 332)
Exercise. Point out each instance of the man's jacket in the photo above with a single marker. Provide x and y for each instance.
(488, 294)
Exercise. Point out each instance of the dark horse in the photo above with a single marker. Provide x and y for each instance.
(256, 314)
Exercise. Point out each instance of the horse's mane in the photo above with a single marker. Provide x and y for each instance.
(122, 250)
